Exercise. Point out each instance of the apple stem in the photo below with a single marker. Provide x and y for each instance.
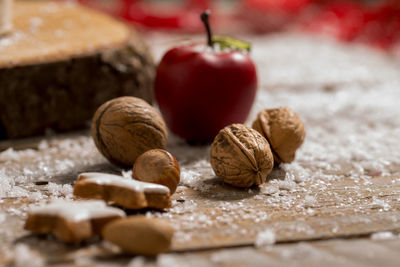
(205, 18)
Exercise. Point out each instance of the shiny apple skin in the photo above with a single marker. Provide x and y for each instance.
(200, 91)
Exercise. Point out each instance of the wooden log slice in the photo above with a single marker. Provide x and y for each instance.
(63, 61)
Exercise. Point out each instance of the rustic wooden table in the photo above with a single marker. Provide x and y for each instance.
(338, 203)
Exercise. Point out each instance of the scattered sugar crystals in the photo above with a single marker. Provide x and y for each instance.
(269, 189)
(138, 261)
(383, 236)
(51, 161)
(287, 184)
(380, 204)
(59, 190)
(265, 238)
(195, 175)
(310, 211)
(309, 201)
(25, 256)
(346, 96)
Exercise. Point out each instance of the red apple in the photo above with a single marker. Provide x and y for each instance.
(201, 89)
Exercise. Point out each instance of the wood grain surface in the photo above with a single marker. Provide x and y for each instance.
(213, 217)
(44, 32)
(344, 217)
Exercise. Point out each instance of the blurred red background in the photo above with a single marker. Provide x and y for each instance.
(375, 22)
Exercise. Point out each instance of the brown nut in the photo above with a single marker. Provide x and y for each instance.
(283, 129)
(126, 127)
(140, 235)
(241, 156)
(158, 166)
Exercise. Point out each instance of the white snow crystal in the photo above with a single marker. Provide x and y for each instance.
(25, 256)
(165, 260)
(383, 236)
(380, 204)
(265, 238)
(58, 190)
(138, 261)
(309, 201)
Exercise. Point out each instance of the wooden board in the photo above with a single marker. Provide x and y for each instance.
(211, 216)
(48, 32)
(217, 225)
(61, 62)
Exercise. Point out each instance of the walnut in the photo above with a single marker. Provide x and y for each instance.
(241, 156)
(158, 166)
(126, 127)
(283, 129)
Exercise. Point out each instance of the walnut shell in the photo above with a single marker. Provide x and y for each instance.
(158, 166)
(283, 129)
(126, 127)
(241, 156)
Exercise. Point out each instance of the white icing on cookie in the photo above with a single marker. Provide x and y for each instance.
(77, 210)
(117, 180)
